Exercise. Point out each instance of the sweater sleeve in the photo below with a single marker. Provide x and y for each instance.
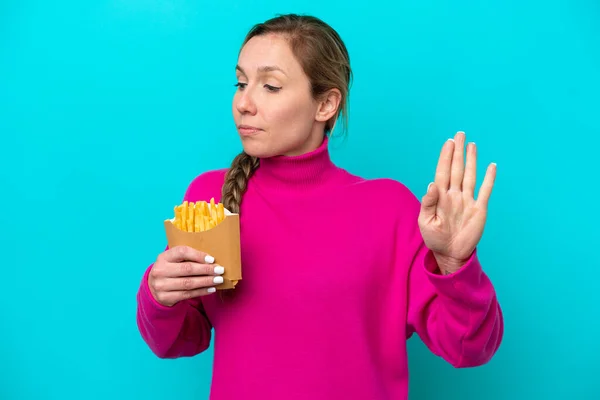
(184, 329)
(457, 316)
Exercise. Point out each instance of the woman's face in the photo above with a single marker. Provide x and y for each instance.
(273, 108)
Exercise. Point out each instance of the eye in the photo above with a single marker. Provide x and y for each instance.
(240, 85)
(272, 88)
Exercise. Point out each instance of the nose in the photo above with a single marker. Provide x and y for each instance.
(244, 102)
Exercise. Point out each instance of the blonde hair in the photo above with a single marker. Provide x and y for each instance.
(324, 59)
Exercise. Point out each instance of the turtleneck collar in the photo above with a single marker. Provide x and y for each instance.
(301, 172)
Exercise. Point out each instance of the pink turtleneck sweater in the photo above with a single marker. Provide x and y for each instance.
(336, 278)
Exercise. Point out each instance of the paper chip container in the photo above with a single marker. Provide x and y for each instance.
(222, 242)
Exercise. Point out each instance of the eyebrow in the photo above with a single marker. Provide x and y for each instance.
(264, 69)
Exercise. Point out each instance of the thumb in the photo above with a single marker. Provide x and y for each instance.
(429, 201)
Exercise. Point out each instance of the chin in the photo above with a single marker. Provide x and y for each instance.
(257, 148)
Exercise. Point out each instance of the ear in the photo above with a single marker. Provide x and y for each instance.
(329, 105)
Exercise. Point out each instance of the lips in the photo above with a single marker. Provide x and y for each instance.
(247, 130)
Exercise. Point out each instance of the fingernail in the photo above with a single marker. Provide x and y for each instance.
(211, 290)
(451, 139)
(218, 279)
(219, 270)
(429, 187)
(209, 259)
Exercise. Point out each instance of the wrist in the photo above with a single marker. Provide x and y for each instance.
(448, 265)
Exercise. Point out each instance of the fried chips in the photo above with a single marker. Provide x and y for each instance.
(198, 216)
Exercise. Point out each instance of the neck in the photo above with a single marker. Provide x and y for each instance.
(300, 172)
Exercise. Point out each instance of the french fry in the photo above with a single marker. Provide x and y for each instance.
(220, 212)
(205, 209)
(203, 226)
(197, 227)
(178, 216)
(190, 218)
(198, 216)
(184, 218)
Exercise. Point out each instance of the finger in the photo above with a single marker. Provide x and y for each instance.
(187, 283)
(443, 170)
(177, 296)
(189, 268)
(468, 186)
(458, 162)
(486, 187)
(429, 202)
(186, 253)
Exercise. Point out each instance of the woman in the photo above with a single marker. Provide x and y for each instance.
(338, 270)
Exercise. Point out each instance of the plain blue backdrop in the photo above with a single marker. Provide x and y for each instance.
(109, 108)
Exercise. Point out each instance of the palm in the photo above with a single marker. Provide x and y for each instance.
(451, 219)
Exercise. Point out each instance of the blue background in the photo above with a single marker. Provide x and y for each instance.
(109, 108)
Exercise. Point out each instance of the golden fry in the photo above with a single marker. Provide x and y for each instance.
(220, 212)
(189, 218)
(197, 226)
(178, 217)
(184, 213)
(198, 216)
(204, 208)
(203, 226)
